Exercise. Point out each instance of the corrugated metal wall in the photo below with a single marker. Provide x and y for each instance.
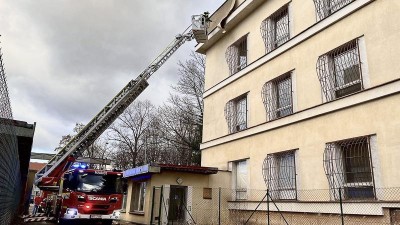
(10, 182)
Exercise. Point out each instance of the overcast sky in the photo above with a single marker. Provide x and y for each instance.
(65, 60)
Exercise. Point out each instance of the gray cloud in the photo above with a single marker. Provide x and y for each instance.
(66, 59)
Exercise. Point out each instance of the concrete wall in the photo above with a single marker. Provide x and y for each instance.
(381, 56)
(310, 136)
(314, 122)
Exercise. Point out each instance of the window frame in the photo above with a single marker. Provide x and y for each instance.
(345, 85)
(271, 96)
(241, 193)
(234, 53)
(324, 8)
(328, 73)
(124, 202)
(239, 103)
(138, 197)
(232, 115)
(336, 169)
(269, 29)
(272, 167)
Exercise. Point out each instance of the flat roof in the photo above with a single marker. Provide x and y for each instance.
(159, 168)
(189, 169)
(17, 127)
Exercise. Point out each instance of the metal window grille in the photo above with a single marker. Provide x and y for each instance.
(275, 29)
(236, 55)
(279, 171)
(325, 8)
(348, 167)
(236, 114)
(277, 97)
(339, 71)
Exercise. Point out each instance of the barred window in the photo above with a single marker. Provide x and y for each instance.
(325, 8)
(277, 97)
(236, 114)
(279, 171)
(339, 71)
(348, 167)
(275, 29)
(236, 55)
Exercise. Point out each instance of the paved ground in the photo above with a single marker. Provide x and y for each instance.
(54, 223)
(40, 223)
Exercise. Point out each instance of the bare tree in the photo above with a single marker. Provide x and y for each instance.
(67, 138)
(189, 90)
(154, 143)
(170, 134)
(127, 134)
(120, 158)
(182, 117)
(98, 150)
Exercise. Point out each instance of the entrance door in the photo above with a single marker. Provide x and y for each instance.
(177, 204)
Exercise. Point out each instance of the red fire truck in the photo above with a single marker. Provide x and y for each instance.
(84, 195)
(91, 194)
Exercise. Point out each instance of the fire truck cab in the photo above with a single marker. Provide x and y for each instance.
(90, 195)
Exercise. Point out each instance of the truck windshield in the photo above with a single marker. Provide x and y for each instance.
(93, 183)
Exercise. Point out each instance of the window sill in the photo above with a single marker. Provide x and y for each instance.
(359, 184)
(138, 213)
(340, 87)
(344, 96)
(279, 117)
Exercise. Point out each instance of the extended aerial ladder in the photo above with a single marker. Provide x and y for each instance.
(48, 177)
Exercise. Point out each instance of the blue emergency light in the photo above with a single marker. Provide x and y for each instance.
(81, 165)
